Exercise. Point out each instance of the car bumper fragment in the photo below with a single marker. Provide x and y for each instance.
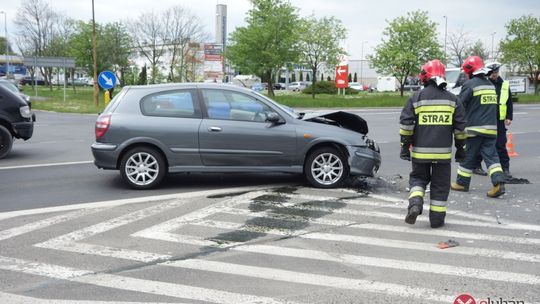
(23, 129)
(364, 161)
(105, 155)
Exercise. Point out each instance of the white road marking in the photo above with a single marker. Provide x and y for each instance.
(18, 299)
(16, 231)
(120, 202)
(132, 284)
(313, 279)
(306, 234)
(69, 242)
(48, 165)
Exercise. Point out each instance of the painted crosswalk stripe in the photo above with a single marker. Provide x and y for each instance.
(10, 298)
(313, 279)
(41, 224)
(381, 227)
(306, 234)
(389, 215)
(132, 284)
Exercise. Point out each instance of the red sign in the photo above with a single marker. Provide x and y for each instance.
(342, 76)
(464, 299)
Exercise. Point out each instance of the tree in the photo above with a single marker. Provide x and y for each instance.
(457, 46)
(355, 78)
(301, 78)
(349, 77)
(142, 76)
(410, 42)
(149, 37)
(307, 77)
(319, 43)
(293, 77)
(478, 49)
(521, 46)
(268, 42)
(322, 77)
(35, 24)
(3, 46)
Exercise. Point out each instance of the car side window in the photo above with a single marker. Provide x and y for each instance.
(221, 104)
(181, 103)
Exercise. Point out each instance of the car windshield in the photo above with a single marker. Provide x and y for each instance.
(452, 76)
(286, 109)
(10, 86)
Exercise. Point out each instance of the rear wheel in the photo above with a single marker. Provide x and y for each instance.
(6, 142)
(143, 168)
(326, 168)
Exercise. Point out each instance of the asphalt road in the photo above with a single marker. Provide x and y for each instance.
(230, 238)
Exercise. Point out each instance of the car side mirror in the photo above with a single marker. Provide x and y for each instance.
(273, 118)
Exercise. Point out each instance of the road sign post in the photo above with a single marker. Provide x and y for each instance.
(342, 79)
(107, 80)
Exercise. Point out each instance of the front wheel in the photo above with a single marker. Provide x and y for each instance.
(143, 168)
(6, 141)
(326, 168)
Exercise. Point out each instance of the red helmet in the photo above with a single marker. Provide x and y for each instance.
(431, 70)
(473, 65)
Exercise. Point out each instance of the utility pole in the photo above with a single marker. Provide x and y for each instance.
(94, 52)
(7, 44)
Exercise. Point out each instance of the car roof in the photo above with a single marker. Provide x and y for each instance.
(189, 85)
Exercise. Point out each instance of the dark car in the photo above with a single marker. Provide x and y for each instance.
(28, 80)
(16, 120)
(149, 131)
(13, 88)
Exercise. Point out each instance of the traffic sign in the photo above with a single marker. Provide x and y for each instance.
(106, 80)
(465, 299)
(342, 76)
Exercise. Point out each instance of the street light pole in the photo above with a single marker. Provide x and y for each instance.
(362, 64)
(492, 38)
(7, 44)
(94, 52)
(445, 33)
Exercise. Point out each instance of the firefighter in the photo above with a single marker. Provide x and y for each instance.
(505, 113)
(479, 98)
(428, 122)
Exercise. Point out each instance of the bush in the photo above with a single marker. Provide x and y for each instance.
(326, 87)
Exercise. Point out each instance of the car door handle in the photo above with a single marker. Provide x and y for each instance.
(214, 129)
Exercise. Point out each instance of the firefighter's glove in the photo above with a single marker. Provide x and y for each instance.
(405, 153)
(460, 151)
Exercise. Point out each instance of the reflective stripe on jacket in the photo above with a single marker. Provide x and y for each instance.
(479, 98)
(432, 117)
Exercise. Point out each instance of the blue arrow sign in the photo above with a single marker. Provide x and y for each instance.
(106, 80)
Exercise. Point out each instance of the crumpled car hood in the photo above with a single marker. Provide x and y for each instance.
(343, 119)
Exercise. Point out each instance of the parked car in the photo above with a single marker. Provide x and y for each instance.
(279, 86)
(356, 86)
(257, 87)
(16, 120)
(30, 81)
(298, 85)
(149, 131)
(15, 89)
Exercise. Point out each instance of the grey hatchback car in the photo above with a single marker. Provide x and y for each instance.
(149, 131)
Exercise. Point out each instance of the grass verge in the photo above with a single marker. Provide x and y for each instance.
(79, 101)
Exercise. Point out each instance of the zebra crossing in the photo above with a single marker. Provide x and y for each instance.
(276, 245)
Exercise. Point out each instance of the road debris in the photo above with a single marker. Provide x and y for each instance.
(447, 244)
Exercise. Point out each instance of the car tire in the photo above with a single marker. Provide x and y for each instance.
(326, 167)
(143, 168)
(6, 142)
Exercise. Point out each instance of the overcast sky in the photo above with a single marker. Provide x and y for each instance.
(364, 20)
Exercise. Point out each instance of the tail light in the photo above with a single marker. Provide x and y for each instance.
(102, 125)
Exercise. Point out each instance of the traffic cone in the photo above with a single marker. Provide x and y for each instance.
(510, 146)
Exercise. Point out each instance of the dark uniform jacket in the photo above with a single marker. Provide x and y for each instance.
(430, 118)
(479, 98)
(498, 83)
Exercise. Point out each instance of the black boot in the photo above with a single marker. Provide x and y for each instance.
(415, 209)
(436, 219)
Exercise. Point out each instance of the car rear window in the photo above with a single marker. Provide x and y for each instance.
(181, 103)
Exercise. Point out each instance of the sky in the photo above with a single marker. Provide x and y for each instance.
(364, 20)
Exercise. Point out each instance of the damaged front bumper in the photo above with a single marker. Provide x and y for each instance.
(364, 161)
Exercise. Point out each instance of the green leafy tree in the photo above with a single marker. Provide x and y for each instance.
(322, 77)
(521, 47)
(328, 78)
(293, 77)
(268, 41)
(3, 46)
(319, 43)
(349, 78)
(409, 41)
(355, 78)
(142, 76)
(307, 77)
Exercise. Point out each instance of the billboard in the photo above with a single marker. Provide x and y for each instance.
(213, 61)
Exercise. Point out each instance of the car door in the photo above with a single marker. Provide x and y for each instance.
(234, 132)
